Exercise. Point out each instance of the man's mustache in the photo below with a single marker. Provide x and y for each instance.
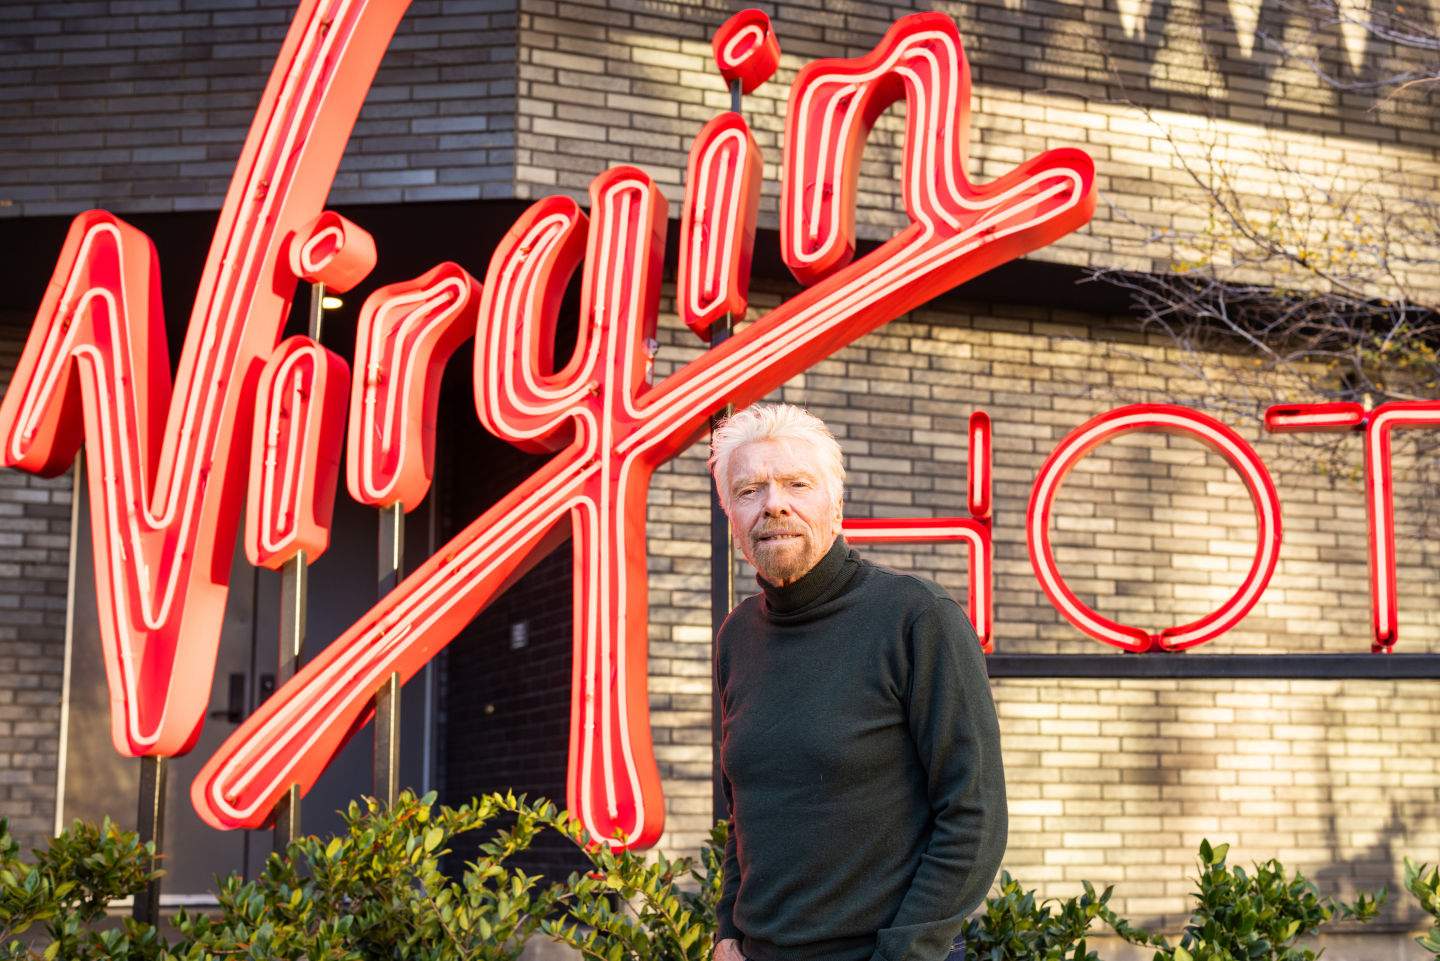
(759, 536)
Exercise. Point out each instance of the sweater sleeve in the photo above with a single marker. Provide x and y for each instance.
(730, 887)
(725, 907)
(957, 736)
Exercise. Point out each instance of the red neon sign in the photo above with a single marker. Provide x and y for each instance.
(165, 488)
(295, 453)
(166, 504)
(300, 410)
(610, 428)
(406, 335)
(1379, 486)
(745, 49)
(1169, 419)
(833, 104)
(973, 530)
(331, 250)
(717, 230)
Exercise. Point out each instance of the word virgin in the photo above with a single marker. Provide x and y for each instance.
(170, 465)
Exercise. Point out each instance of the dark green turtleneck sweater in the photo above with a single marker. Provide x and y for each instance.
(861, 759)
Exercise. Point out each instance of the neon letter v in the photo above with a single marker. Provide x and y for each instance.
(164, 510)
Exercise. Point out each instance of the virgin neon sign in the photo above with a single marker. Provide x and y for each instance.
(166, 487)
(167, 467)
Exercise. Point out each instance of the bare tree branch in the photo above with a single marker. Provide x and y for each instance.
(1305, 281)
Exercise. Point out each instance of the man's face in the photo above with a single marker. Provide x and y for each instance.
(782, 511)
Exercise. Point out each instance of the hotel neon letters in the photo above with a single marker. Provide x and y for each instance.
(973, 530)
(1379, 486)
(1171, 419)
(165, 509)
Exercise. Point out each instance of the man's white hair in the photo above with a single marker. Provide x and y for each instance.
(774, 422)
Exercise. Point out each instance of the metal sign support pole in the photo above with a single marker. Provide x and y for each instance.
(151, 820)
(387, 698)
(294, 599)
(722, 558)
(294, 590)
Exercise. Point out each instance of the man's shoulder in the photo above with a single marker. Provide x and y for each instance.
(928, 618)
(905, 588)
(923, 606)
(750, 604)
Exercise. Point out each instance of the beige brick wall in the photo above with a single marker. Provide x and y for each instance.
(602, 82)
(144, 110)
(1114, 781)
(1118, 781)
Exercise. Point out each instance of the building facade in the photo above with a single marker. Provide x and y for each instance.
(482, 106)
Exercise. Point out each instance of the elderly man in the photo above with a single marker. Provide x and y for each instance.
(859, 746)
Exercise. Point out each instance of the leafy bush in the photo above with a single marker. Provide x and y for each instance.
(377, 891)
(1240, 916)
(630, 909)
(374, 892)
(1254, 917)
(67, 889)
(1424, 883)
(1017, 927)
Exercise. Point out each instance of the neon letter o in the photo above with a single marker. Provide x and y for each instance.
(1170, 419)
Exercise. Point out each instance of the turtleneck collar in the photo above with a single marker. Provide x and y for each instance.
(823, 581)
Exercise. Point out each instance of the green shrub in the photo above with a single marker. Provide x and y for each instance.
(633, 909)
(1260, 916)
(1424, 882)
(67, 889)
(1017, 927)
(376, 892)
(373, 892)
(1239, 916)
